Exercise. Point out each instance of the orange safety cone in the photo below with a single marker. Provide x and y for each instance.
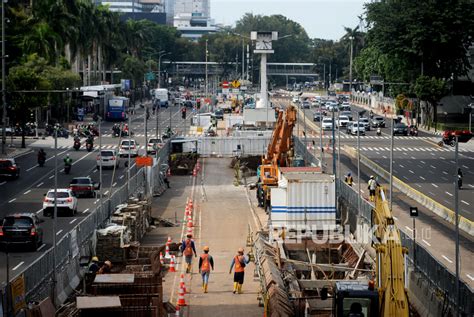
(176, 314)
(194, 172)
(181, 301)
(172, 265)
(189, 230)
(162, 261)
(190, 223)
(167, 252)
(190, 204)
(169, 240)
(181, 283)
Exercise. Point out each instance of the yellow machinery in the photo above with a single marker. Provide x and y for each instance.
(279, 153)
(388, 297)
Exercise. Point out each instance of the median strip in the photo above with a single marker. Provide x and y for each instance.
(39, 185)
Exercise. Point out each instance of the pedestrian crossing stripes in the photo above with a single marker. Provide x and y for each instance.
(374, 137)
(412, 149)
(104, 147)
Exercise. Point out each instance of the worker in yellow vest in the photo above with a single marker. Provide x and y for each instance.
(240, 261)
(349, 179)
(206, 263)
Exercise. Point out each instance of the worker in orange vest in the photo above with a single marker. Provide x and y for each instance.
(239, 261)
(188, 248)
(206, 263)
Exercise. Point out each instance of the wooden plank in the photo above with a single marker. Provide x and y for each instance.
(91, 302)
(114, 278)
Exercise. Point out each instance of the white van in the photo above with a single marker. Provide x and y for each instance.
(161, 96)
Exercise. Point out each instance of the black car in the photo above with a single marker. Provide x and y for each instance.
(21, 228)
(306, 105)
(8, 168)
(84, 186)
(377, 122)
(317, 117)
(400, 128)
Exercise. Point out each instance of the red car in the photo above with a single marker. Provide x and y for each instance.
(449, 137)
(8, 168)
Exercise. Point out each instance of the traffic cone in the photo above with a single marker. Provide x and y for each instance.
(167, 252)
(169, 240)
(162, 261)
(194, 172)
(181, 301)
(189, 230)
(181, 283)
(190, 223)
(187, 211)
(177, 312)
(191, 204)
(172, 268)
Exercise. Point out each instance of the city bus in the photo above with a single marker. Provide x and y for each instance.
(117, 108)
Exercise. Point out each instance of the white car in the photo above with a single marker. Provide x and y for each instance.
(326, 124)
(342, 121)
(352, 128)
(365, 121)
(128, 147)
(109, 159)
(153, 145)
(66, 201)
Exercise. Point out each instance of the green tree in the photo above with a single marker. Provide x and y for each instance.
(430, 90)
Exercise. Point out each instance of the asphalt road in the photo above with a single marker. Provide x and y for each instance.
(26, 193)
(418, 161)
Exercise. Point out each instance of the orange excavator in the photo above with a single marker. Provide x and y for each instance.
(279, 154)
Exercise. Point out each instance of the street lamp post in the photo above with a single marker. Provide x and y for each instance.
(4, 99)
(162, 53)
(351, 38)
(391, 162)
(55, 213)
(206, 83)
(359, 113)
(321, 136)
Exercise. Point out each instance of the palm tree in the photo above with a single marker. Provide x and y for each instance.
(44, 41)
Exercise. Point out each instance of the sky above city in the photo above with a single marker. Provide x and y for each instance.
(320, 18)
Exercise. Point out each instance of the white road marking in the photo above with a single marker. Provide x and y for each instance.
(426, 242)
(39, 185)
(409, 229)
(31, 168)
(422, 162)
(95, 171)
(431, 193)
(95, 202)
(413, 158)
(465, 202)
(51, 176)
(405, 177)
(445, 173)
(113, 185)
(39, 211)
(85, 211)
(362, 191)
(452, 162)
(470, 277)
(418, 185)
(432, 166)
(434, 185)
(106, 192)
(471, 185)
(2, 183)
(449, 194)
(465, 167)
(27, 192)
(59, 232)
(401, 166)
(411, 171)
(19, 264)
(422, 178)
(73, 221)
(42, 246)
(12, 200)
(446, 258)
(395, 218)
(121, 176)
(442, 158)
(384, 157)
(444, 178)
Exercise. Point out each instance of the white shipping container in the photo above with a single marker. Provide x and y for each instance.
(304, 200)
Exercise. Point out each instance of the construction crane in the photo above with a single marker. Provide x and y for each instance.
(388, 295)
(279, 153)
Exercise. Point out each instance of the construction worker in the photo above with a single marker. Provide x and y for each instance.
(188, 248)
(349, 179)
(94, 265)
(206, 263)
(240, 261)
(106, 268)
(372, 186)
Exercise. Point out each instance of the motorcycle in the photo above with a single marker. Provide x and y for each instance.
(89, 146)
(459, 181)
(413, 130)
(77, 144)
(67, 168)
(379, 131)
(41, 161)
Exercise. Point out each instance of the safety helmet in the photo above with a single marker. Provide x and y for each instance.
(206, 248)
(67, 155)
(95, 259)
(372, 177)
(349, 174)
(108, 263)
(240, 250)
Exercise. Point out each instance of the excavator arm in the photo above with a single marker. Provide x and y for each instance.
(390, 271)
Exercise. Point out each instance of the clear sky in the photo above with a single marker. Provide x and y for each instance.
(320, 18)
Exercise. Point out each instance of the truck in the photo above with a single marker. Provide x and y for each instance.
(161, 97)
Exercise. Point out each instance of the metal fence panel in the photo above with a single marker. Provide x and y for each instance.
(232, 146)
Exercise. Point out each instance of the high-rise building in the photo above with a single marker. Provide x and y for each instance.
(192, 18)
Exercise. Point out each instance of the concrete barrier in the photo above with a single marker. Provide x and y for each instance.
(447, 214)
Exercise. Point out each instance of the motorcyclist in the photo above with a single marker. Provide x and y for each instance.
(379, 131)
(41, 157)
(168, 132)
(90, 140)
(67, 160)
(459, 178)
